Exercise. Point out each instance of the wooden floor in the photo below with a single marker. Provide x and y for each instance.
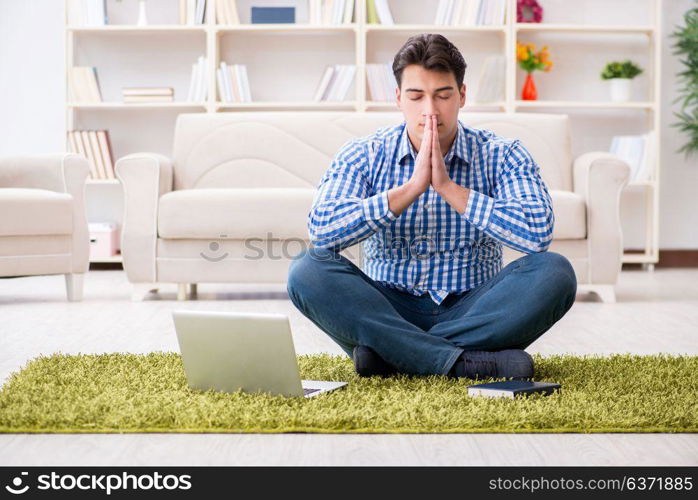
(656, 312)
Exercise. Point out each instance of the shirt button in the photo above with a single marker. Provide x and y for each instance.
(426, 206)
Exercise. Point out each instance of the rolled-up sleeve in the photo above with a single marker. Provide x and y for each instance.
(520, 214)
(344, 210)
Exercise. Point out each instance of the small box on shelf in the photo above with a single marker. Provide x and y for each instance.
(273, 15)
(104, 240)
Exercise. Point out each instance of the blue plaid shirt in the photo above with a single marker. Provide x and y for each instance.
(431, 247)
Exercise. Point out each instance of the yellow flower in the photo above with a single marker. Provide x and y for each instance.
(521, 53)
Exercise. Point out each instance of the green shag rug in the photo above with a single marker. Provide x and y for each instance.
(117, 393)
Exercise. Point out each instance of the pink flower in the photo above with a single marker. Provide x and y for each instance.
(531, 5)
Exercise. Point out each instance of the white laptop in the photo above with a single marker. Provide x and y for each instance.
(228, 351)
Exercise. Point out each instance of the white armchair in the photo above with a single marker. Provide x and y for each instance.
(237, 178)
(43, 226)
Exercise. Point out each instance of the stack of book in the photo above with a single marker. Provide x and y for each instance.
(638, 152)
(147, 94)
(233, 85)
(331, 11)
(378, 12)
(192, 11)
(335, 82)
(87, 13)
(198, 83)
(490, 87)
(381, 82)
(83, 84)
(96, 147)
(471, 12)
(227, 12)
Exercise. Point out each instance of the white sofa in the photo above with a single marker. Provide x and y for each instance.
(239, 186)
(43, 226)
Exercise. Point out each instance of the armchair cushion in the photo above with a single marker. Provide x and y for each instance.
(235, 213)
(570, 215)
(29, 212)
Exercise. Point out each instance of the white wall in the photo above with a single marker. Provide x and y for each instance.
(32, 116)
(32, 87)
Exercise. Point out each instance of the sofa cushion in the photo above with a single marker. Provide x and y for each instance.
(27, 212)
(235, 213)
(570, 215)
(281, 213)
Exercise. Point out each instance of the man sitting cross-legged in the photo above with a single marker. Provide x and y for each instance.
(433, 297)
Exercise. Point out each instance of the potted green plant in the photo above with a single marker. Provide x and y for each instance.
(620, 74)
(686, 45)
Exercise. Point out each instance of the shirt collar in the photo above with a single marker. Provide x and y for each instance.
(458, 148)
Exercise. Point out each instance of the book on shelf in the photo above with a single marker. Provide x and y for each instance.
(378, 12)
(273, 15)
(87, 13)
(243, 81)
(491, 84)
(331, 12)
(84, 87)
(638, 152)
(147, 91)
(381, 82)
(226, 83)
(470, 12)
(198, 83)
(192, 12)
(227, 12)
(147, 98)
(371, 12)
(233, 84)
(224, 94)
(95, 146)
(335, 83)
(147, 94)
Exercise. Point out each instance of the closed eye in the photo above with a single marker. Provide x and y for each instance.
(440, 97)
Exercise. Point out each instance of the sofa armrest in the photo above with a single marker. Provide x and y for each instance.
(144, 177)
(600, 178)
(62, 173)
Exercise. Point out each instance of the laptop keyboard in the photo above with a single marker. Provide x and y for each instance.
(309, 391)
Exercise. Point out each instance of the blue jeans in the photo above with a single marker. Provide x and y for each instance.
(413, 333)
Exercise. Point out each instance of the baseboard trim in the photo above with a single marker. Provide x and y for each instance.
(667, 258)
(95, 266)
(670, 258)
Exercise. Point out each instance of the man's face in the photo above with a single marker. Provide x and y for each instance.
(424, 92)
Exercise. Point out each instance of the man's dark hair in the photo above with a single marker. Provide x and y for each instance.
(433, 52)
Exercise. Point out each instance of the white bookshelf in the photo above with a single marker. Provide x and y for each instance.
(264, 47)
